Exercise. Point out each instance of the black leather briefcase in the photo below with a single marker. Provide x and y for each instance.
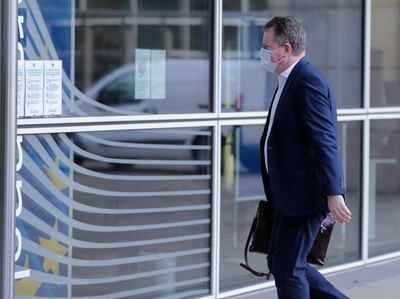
(260, 234)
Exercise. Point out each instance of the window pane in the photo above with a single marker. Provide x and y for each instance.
(258, 5)
(384, 192)
(346, 238)
(332, 30)
(385, 65)
(106, 4)
(120, 213)
(159, 5)
(199, 42)
(199, 5)
(241, 189)
(160, 51)
(231, 5)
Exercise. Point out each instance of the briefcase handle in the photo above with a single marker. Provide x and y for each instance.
(246, 249)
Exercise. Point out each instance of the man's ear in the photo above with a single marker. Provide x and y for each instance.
(288, 48)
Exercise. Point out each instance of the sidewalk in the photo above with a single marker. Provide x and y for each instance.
(380, 280)
(376, 281)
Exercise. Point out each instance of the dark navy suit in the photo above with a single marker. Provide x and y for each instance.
(304, 166)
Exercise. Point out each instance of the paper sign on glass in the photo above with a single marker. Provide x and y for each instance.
(158, 74)
(142, 74)
(34, 70)
(53, 87)
(21, 89)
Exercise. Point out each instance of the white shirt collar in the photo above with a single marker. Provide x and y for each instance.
(285, 74)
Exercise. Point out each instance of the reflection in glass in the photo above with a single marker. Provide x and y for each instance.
(232, 5)
(384, 187)
(101, 43)
(241, 189)
(332, 30)
(159, 5)
(104, 4)
(119, 213)
(108, 56)
(385, 65)
(258, 5)
(346, 238)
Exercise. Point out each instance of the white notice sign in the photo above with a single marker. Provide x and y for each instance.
(158, 74)
(142, 74)
(21, 89)
(53, 87)
(34, 70)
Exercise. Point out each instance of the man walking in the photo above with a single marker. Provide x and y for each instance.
(300, 162)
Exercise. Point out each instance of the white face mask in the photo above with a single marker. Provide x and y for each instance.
(266, 60)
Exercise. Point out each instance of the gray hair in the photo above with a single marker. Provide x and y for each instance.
(288, 30)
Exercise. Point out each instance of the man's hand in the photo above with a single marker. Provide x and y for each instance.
(338, 208)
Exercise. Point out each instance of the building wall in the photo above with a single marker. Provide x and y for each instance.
(145, 181)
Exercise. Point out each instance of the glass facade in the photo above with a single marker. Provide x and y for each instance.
(241, 189)
(119, 57)
(120, 213)
(346, 238)
(157, 201)
(384, 191)
(334, 44)
(385, 65)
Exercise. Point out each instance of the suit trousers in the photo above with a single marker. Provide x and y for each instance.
(291, 241)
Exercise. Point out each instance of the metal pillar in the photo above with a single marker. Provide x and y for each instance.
(8, 66)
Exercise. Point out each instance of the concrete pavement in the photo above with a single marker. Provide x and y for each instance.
(375, 281)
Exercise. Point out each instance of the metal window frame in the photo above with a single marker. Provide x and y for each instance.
(74, 128)
(216, 205)
(8, 86)
(366, 132)
(217, 71)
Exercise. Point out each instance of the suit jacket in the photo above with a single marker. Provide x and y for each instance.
(303, 157)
